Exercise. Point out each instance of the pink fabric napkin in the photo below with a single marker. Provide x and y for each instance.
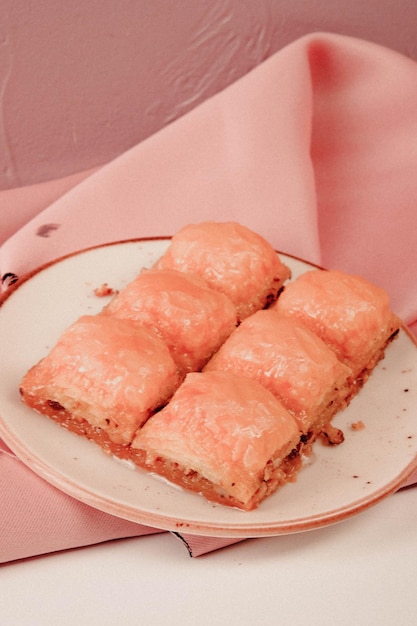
(316, 149)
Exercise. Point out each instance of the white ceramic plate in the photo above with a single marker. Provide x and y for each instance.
(336, 483)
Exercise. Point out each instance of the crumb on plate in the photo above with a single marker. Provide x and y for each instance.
(104, 290)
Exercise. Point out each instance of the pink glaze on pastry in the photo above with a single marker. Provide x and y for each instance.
(350, 314)
(231, 259)
(289, 360)
(220, 431)
(108, 372)
(192, 319)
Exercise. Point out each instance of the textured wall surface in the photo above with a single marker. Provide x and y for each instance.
(81, 82)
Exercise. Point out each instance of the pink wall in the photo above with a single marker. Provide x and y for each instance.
(82, 81)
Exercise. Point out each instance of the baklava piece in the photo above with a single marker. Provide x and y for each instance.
(192, 319)
(293, 363)
(232, 259)
(223, 436)
(102, 380)
(351, 315)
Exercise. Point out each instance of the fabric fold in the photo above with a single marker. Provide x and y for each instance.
(315, 149)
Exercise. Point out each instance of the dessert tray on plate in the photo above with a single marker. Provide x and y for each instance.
(336, 482)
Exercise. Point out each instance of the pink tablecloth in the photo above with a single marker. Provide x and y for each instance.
(316, 149)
